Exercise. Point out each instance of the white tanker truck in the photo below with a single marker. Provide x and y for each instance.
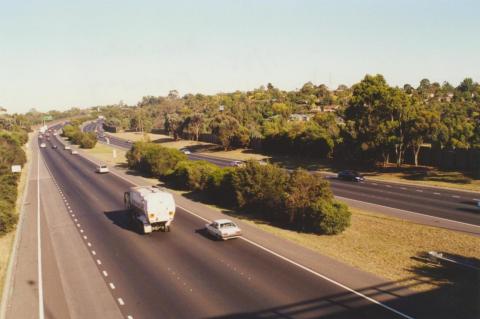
(150, 208)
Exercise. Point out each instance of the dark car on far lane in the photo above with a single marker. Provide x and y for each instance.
(349, 175)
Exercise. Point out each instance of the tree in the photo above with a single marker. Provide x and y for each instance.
(365, 118)
(194, 124)
(173, 125)
(422, 125)
(226, 128)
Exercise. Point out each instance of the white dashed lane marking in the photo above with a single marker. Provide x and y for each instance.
(99, 261)
(120, 301)
(419, 190)
(436, 193)
(112, 286)
(105, 273)
(455, 196)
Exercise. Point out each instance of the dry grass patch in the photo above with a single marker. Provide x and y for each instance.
(105, 154)
(184, 143)
(139, 136)
(238, 154)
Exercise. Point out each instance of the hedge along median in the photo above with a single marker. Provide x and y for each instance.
(76, 136)
(297, 200)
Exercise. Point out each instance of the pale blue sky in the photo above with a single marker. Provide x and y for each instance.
(55, 54)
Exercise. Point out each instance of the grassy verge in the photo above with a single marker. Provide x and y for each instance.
(138, 136)
(386, 246)
(105, 154)
(6, 241)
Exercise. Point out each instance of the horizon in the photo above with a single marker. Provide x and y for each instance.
(61, 55)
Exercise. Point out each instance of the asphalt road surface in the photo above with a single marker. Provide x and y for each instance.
(184, 273)
(449, 208)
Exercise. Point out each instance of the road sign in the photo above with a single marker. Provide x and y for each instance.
(16, 168)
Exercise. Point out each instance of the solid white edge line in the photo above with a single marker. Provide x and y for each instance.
(328, 279)
(284, 258)
(41, 310)
(407, 211)
(310, 270)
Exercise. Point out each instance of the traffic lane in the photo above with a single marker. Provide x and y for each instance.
(70, 256)
(145, 290)
(271, 279)
(453, 195)
(422, 205)
(411, 193)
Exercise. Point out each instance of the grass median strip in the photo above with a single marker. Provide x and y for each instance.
(105, 154)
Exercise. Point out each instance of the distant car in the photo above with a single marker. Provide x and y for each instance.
(223, 229)
(74, 152)
(40, 136)
(66, 147)
(54, 146)
(237, 163)
(348, 175)
(185, 151)
(102, 169)
(43, 145)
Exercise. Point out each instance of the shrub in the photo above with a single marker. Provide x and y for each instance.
(88, 140)
(330, 217)
(193, 175)
(260, 188)
(153, 159)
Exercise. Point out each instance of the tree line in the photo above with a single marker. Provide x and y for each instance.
(369, 122)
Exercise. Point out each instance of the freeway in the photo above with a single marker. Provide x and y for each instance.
(450, 208)
(182, 274)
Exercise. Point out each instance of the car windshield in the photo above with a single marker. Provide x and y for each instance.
(227, 225)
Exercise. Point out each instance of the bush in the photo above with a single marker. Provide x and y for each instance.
(330, 218)
(260, 188)
(88, 140)
(193, 175)
(220, 186)
(153, 159)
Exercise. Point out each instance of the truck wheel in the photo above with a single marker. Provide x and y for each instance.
(167, 229)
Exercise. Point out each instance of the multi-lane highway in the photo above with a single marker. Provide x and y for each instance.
(181, 274)
(440, 207)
